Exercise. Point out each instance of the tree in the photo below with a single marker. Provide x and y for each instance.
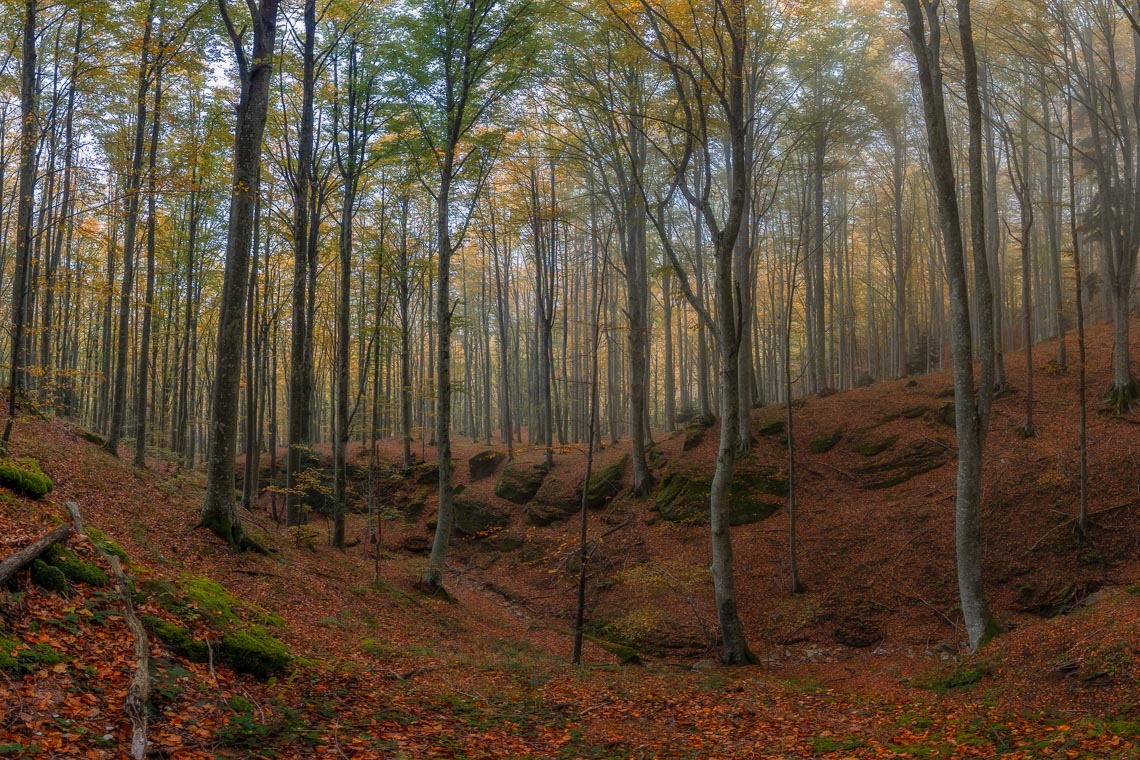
(972, 403)
(457, 62)
(255, 69)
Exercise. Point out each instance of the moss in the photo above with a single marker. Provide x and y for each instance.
(914, 412)
(914, 460)
(772, 428)
(415, 506)
(606, 483)
(75, 569)
(220, 606)
(874, 448)
(520, 482)
(48, 577)
(23, 475)
(1120, 400)
(177, 638)
(21, 658)
(825, 443)
(99, 538)
(945, 414)
(695, 432)
(686, 500)
(993, 629)
(958, 679)
(474, 517)
(255, 652)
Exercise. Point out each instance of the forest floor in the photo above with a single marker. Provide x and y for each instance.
(869, 661)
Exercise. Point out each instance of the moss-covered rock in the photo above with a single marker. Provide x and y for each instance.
(48, 577)
(75, 569)
(606, 483)
(485, 463)
(874, 448)
(24, 476)
(913, 460)
(474, 517)
(684, 499)
(177, 638)
(255, 652)
(541, 513)
(825, 443)
(944, 414)
(695, 430)
(217, 605)
(415, 505)
(424, 474)
(771, 428)
(520, 482)
(914, 412)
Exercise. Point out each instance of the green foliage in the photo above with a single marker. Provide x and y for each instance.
(24, 476)
(48, 577)
(255, 652)
(75, 569)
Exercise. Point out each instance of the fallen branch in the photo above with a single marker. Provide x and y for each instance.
(25, 556)
(139, 690)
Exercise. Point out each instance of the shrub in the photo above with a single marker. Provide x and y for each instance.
(23, 475)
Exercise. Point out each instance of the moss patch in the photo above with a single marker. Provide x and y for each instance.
(17, 656)
(23, 475)
(255, 652)
(75, 569)
(825, 443)
(99, 538)
(48, 577)
(177, 638)
(771, 428)
(221, 607)
(874, 448)
(695, 431)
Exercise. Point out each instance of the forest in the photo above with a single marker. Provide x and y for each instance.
(708, 287)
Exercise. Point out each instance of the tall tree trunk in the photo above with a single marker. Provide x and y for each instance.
(151, 225)
(219, 509)
(134, 189)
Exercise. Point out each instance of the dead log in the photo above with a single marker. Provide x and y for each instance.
(13, 564)
(139, 691)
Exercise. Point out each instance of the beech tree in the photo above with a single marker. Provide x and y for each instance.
(255, 69)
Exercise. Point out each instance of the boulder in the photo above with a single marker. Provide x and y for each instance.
(606, 483)
(520, 482)
(685, 499)
(484, 464)
(473, 517)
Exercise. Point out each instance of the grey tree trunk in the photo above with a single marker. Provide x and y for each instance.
(219, 509)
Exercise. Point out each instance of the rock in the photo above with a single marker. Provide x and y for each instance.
(695, 431)
(474, 517)
(825, 443)
(520, 482)
(415, 506)
(771, 428)
(874, 448)
(606, 483)
(686, 500)
(542, 514)
(915, 459)
(484, 464)
(416, 544)
(425, 473)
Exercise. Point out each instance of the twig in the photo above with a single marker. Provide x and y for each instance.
(33, 550)
(139, 690)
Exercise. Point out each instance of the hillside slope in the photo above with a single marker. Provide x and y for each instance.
(867, 662)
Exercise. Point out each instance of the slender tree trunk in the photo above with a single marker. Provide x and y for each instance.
(219, 509)
(144, 365)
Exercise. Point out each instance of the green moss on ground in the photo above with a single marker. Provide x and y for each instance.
(48, 577)
(18, 657)
(255, 652)
(219, 605)
(24, 476)
(177, 638)
(75, 569)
